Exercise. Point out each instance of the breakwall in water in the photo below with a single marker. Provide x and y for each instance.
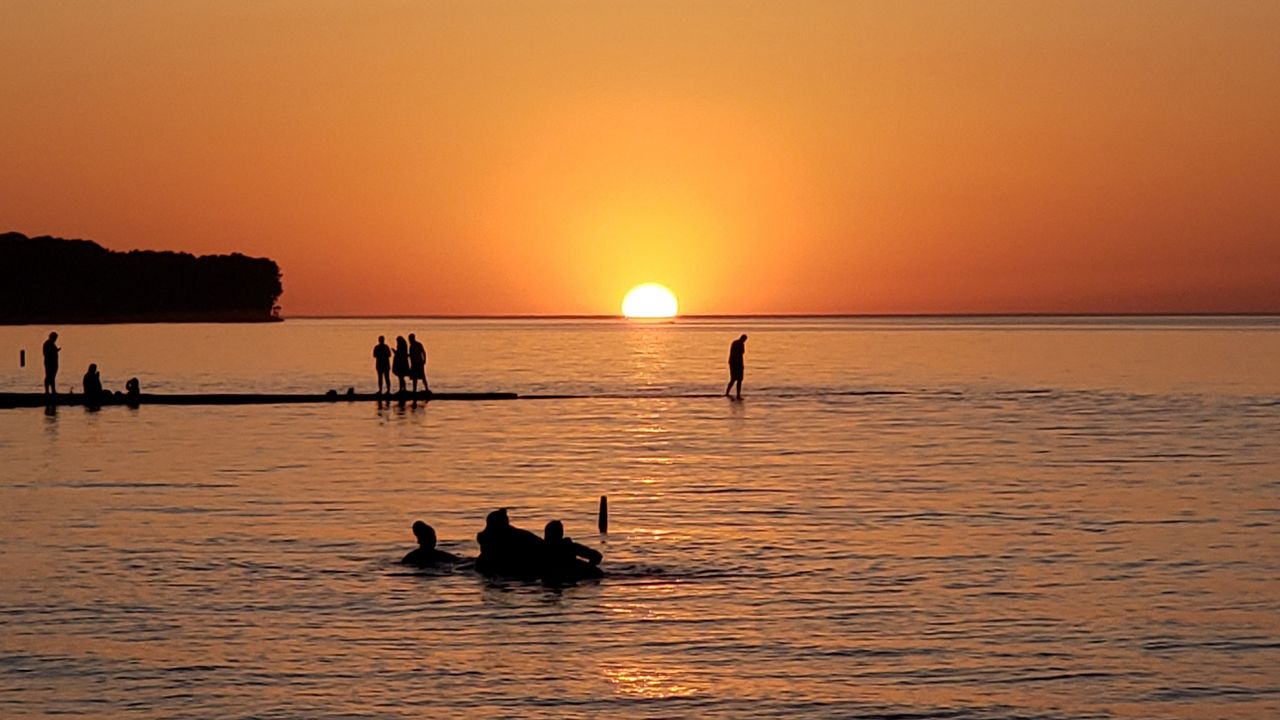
(30, 400)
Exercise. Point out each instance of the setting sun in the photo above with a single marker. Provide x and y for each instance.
(649, 300)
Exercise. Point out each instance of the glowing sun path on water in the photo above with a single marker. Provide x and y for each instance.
(649, 300)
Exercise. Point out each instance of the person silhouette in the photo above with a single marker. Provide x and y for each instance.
(507, 550)
(562, 563)
(92, 384)
(737, 349)
(382, 364)
(51, 351)
(426, 554)
(417, 363)
(400, 360)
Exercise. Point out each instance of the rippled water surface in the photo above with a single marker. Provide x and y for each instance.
(905, 519)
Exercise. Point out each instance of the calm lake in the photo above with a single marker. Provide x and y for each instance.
(923, 518)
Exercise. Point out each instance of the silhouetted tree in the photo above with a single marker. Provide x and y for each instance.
(51, 280)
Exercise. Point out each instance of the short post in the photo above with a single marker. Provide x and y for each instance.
(22, 358)
(604, 515)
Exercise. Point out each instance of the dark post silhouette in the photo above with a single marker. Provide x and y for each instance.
(737, 349)
(51, 351)
(602, 521)
(400, 360)
(417, 363)
(22, 358)
(382, 364)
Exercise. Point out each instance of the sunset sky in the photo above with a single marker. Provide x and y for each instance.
(540, 157)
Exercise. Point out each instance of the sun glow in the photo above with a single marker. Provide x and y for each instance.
(649, 300)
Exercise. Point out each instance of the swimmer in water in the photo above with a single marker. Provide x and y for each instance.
(427, 555)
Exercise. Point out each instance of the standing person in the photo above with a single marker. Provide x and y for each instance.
(51, 351)
(400, 360)
(737, 349)
(382, 363)
(417, 363)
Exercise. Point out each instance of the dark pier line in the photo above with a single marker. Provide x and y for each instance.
(30, 400)
(621, 396)
(712, 395)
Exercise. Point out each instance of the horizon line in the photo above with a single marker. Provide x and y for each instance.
(781, 316)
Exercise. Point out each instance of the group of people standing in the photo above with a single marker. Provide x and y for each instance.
(406, 360)
(512, 552)
(409, 360)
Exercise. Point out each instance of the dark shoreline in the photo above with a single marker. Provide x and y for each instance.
(172, 318)
(53, 281)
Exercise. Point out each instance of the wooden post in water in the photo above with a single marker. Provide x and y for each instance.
(22, 358)
(603, 523)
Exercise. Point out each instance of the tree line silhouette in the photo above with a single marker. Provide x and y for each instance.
(52, 280)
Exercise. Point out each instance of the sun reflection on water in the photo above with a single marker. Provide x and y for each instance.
(647, 683)
(947, 549)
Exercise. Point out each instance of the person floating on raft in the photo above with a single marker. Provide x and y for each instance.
(426, 554)
(509, 551)
(566, 560)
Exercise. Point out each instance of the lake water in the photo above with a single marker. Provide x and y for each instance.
(960, 518)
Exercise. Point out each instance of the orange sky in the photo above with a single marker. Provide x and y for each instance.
(475, 157)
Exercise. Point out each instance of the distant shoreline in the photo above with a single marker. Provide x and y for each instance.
(202, 318)
(54, 281)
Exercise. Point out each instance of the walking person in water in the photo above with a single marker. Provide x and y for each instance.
(400, 360)
(51, 351)
(737, 349)
(417, 363)
(382, 364)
